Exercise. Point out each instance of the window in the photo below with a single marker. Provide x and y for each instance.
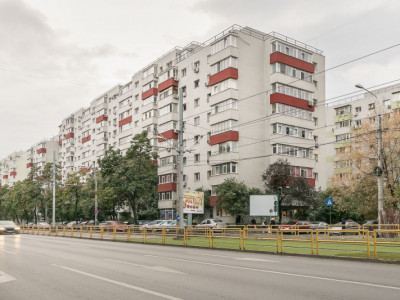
(230, 40)
(197, 121)
(149, 71)
(226, 168)
(125, 114)
(149, 100)
(137, 97)
(285, 129)
(173, 90)
(125, 140)
(342, 137)
(196, 176)
(224, 126)
(357, 124)
(149, 86)
(226, 147)
(343, 124)
(224, 85)
(196, 157)
(196, 83)
(292, 51)
(172, 107)
(293, 72)
(371, 106)
(396, 96)
(224, 105)
(183, 72)
(197, 64)
(173, 72)
(292, 151)
(224, 64)
(292, 91)
(136, 84)
(344, 110)
(386, 103)
(291, 111)
(358, 109)
(196, 102)
(149, 114)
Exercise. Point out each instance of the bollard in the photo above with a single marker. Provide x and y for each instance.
(114, 233)
(80, 231)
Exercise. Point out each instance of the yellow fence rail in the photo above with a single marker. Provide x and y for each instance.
(385, 243)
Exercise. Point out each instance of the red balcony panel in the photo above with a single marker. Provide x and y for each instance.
(291, 61)
(60, 142)
(167, 83)
(166, 187)
(224, 137)
(125, 121)
(213, 200)
(29, 165)
(86, 139)
(41, 150)
(85, 170)
(151, 92)
(13, 173)
(68, 136)
(101, 118)
(292, 101)
(5, 176)
(224, 74)
(170, 134)
(311, 181)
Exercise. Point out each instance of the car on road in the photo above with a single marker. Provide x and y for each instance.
(211, 223)
(294, 224)
(43, 225)
(8, 227)
(371, 225)
(152, 224)
(172, 225)
(73, 224)
(319, 225)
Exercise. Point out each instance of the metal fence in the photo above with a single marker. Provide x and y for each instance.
(383, 243)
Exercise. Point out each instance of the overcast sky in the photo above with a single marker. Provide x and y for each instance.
(58, 55)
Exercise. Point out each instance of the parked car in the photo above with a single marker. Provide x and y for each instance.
(9, 227)
(350, 224)
(43, 225)
(109, 225)
(295, 224)
(211, 223)
(151, 224)
(319, 225)
(172, 225)
(369, 225)
(73, 224)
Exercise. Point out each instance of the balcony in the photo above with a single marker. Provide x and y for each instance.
(344, 117)
(5, 176)
(101, 118)
(29, 165)
(165, 204)
(86, 139)
(226, 136)
(68, 136)
(151, 92)
(223, 75)
(166, 84)
(291, 61)
(13, 173)
(292, 101)
(166, 187)
(170, 134)
(125, 121)
(41, 150)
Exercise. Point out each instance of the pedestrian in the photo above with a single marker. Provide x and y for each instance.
(272, 223)
(253, 222)
(264, 224)
(238, 219)
(343, 225)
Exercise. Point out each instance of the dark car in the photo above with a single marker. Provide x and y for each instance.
(9, 227)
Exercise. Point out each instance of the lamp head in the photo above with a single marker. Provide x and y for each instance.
(359, 86)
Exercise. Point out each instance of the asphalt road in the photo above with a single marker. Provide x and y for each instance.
(42, 267)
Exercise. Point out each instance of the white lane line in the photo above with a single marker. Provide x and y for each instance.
(155, 268)
(78, 246)
(280, 273)
(239, 258)
(8, 251)
(5, 277)
(120, 283)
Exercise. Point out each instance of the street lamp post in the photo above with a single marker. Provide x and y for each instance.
(381, 211)
(95, 197)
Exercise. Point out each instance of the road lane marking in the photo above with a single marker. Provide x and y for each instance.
(279, 273)
(239, 258)
(155, 268)
(119, 283)
(4, 277)
(8, 251)
(78, 246)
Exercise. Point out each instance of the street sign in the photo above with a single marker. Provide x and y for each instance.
(329, 202)
(96, 211)
(177, 217)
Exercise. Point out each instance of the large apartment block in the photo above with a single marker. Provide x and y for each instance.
(347, 114)
(13, 169)
(250, 98)
(42, 153)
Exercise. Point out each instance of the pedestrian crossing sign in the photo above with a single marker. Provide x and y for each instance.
(329, 201)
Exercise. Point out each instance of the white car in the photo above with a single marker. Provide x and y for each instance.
(212, 223)
(152, 224)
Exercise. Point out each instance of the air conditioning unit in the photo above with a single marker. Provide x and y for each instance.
(176, 131)
(356, 114)
(176, 96)
(155, 75)
(175, 166)
(184, 94)
(196, 70)
(176, 78)
(206, 84)
(105, 116)
(310, 103)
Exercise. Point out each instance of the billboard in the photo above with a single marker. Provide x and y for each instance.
(264, 205)
(193, 203)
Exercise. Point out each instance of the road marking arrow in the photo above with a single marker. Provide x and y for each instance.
(5, 277)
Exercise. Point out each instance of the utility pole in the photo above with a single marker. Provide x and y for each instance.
(378, 170)
(180, 164)
(54, 189)
(96, 211)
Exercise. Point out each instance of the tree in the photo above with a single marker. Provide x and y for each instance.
(132, 177)
(294, 191)
(360, 156)
(233, 196)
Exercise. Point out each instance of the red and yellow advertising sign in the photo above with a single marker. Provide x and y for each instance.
(193, 203)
